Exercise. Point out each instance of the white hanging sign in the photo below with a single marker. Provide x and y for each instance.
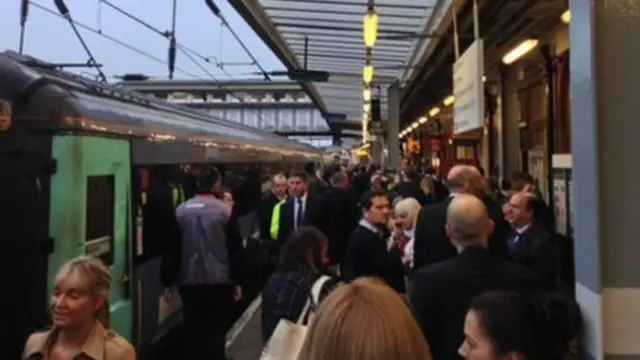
(468, 89)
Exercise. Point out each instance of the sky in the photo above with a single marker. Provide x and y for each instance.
(51, 38)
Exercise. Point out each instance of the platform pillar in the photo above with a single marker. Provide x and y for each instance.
(605, 123)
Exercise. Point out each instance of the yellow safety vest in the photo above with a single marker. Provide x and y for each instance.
(177, 195)
(275, 221)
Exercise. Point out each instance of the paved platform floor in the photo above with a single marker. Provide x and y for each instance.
(244, 341)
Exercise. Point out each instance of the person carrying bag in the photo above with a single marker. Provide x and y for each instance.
(288, 337)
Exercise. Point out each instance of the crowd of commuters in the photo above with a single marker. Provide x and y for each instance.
(420, 267)
(463, 268)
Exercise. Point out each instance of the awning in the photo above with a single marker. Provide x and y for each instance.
(332, 30)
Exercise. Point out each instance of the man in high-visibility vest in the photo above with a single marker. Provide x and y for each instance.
(177, 195)
(277, 193)
(275, 220)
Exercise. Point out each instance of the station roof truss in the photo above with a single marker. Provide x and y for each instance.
(333, 30)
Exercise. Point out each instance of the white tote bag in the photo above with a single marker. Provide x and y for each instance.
(287, 339)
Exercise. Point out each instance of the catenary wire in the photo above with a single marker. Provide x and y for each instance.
(114, 40)
(189, 53)
(166, 34)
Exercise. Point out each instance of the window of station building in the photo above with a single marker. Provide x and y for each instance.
(218, 113)
(100, 221)
(285, 119)
(303, 119)
(269, 119)
(251, 117)
(319, 122)
(234, 115)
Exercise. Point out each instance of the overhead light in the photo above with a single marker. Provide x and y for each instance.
(365, 130)
(433, 112)
(422, 120)
(415, 125)
(519, 51)
(366, 108)
(566, 17)
(449, 100)
(367, 74)
(366, 94)
(484, 78)
(370, 28)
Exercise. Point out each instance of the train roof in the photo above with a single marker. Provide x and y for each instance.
(164, 131)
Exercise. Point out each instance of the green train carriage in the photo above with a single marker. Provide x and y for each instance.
(72, 157)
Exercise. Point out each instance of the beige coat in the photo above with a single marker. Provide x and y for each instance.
(102, 344)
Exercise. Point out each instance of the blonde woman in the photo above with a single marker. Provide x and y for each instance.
(364, 320)
(406, 213)
(80, 313)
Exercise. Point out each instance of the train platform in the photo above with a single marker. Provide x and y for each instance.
(244, 340)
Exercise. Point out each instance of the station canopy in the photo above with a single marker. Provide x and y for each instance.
(333, 30)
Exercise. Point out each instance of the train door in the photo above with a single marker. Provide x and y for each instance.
(24, 202)
(90, 200)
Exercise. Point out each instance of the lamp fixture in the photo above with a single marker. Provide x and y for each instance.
(449, 100)
(422, 120)
(366, 94)
(566, 17)
(433, 112)
(415, 125)
(366, 108)
(519, 51)
(367, 74)
(365, 130)
(370, 27)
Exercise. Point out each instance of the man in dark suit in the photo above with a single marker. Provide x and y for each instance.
(368, 253)
(409, 187)
(431, 243)
(301, 208)
(277, 193)
(529, 243)
(440, 294)
(343, 214)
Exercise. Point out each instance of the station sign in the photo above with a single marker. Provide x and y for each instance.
(468, 89)
(6, 113)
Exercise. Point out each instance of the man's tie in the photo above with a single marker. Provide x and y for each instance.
(512, 241)
(299, 213)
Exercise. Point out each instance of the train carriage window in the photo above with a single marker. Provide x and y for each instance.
(100, 217)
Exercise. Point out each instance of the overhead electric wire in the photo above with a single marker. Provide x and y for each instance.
(136, 19)
(167, 34)
(24, 15)
(114, 40)
(172, 41)
(216, 11)
(189, 53)
(64, 12)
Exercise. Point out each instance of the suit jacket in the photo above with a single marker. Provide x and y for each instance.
(342, 215)
(432, 245)
(440, 295)
(409, 189)
(313, 215)
(536, 250)
(367, 255)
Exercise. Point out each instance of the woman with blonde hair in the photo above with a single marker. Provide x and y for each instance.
(364, 320)
(80, 315)
(406, 214)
